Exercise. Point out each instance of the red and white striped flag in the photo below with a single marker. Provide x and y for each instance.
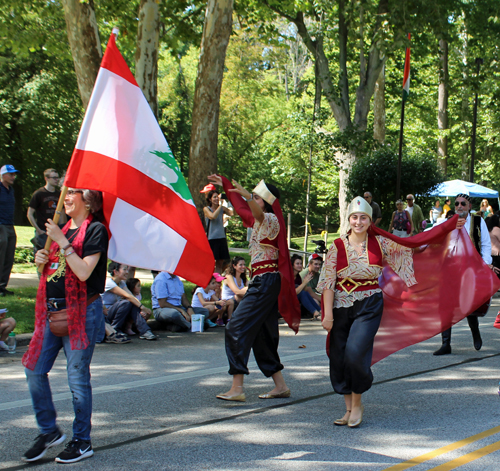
(406, 76)
(122, 152)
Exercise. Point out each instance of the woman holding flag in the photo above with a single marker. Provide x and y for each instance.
(254, 324)
(73, 277)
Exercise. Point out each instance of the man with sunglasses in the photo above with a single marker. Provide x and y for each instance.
(478, 232)
(43, 202)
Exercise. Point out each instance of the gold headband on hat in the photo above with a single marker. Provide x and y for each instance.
(359, 205)
(262, 190)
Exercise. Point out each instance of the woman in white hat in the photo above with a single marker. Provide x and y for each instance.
(352, 296)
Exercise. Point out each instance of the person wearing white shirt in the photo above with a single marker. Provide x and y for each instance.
(478, 232)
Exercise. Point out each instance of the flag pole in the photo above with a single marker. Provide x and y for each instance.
(406, 90)
(57, 215)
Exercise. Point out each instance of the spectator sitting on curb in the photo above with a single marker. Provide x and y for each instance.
(170, 304)
(122, 305)
(6, 327)
(306, 300)
(314, 266)
(206, 297)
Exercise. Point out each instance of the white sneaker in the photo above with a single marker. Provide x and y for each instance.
(3, 346)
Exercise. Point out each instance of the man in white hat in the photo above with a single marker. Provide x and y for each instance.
(8, 236)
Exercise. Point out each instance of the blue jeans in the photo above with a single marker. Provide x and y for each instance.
(308, 301)
(78, 368)
(174, 319)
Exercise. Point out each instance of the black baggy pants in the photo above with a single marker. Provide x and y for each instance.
(254, 325)
(351, 345)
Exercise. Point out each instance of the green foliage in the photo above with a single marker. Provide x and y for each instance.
(24, 255)
(377, 173)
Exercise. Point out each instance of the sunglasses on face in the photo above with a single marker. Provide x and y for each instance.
(409, 199)
(462, 203)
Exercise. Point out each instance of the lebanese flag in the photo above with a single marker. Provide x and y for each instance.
(406, 76)
(122, 152)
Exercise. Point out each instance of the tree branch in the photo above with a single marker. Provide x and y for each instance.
(279, 12)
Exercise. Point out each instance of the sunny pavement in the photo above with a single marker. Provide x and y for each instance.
(155, 407)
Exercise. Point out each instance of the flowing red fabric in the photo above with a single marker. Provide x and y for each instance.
(288, 302)
(76, 302)
(452, 282)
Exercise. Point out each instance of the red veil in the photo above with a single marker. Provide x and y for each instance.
(452, 282)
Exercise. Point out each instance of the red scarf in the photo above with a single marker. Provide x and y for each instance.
(76, 302)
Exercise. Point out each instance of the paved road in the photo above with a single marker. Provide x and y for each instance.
(155, 408)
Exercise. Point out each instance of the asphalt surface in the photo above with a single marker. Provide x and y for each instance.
(155, 408)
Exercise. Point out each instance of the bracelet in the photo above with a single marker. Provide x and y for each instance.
(67, 247)
(249, 199)
(141, 306)
(66, 255)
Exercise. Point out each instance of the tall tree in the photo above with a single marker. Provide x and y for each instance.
(379, 108)
(443, 105)
(204, 132)
(83, 36)
(146, 53)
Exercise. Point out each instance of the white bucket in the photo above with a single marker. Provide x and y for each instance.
(197, 322)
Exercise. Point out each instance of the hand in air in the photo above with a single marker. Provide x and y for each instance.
(240, 190)
(215, 179)
(460, 223)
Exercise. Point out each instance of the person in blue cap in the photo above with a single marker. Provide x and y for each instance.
(8, 236)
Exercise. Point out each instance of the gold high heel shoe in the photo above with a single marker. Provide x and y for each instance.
(342, 421)
(356, 423)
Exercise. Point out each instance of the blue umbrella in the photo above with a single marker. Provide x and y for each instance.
(455, 187)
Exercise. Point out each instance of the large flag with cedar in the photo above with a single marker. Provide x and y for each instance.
(122, 152)
(406, 76)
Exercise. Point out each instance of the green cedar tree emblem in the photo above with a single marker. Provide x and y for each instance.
(180, 185)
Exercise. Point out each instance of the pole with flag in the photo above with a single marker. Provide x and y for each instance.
(122, 152)
(406, 92)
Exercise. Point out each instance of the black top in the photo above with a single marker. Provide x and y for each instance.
(44, 203)
(96, 241)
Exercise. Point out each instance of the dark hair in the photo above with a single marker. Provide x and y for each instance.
(276, 193)
(450, 213)
(198, 286)
(114, 266)
(295, 257)
(209, 196)
(492, 221)
(132, 283)
(232, 271)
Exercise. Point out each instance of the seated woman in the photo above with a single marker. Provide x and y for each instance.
(6, 327)
(122, 305)
(235, 285)
(305, 299)
(206, 297)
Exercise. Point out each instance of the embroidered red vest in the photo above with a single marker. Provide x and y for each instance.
(375, 256)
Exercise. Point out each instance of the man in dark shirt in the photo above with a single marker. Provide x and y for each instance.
(376, 212)
(8, 236)
(43, 203)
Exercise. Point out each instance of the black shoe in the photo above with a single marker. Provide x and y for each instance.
(6, 292)
(42, 443)
(445, 349)
(478, 341)
(75, 450)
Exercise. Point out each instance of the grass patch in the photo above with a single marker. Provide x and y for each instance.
(310, 246)
(21, 306)
(24, 268)
(24, 235)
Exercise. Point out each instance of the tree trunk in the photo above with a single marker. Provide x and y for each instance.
(204, 131)
(83, 37)
(443, 106)
(346, 161)
(379, 108)
(146, 54)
